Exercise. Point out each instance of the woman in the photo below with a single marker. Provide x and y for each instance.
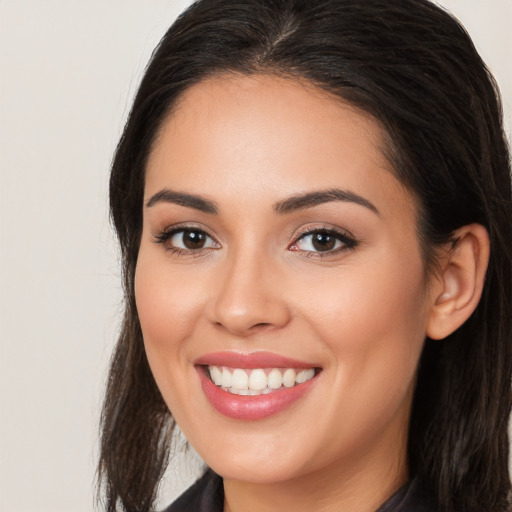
(313, 203)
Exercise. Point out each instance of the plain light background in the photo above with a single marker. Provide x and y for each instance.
(68, 72)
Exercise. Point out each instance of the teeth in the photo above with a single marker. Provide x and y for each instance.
(240, 379)
(260, 381)
(275, 379)
(216, 375)
(289, 378)
(304, 375)
(257, 380)
(226, 378)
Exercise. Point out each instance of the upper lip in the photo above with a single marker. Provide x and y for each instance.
(251, 360)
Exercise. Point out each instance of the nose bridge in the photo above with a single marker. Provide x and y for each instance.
(249, 297)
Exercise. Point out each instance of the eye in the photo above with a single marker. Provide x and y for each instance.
(187, 239)
(323, 241)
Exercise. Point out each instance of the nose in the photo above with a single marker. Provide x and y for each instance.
(249, 296)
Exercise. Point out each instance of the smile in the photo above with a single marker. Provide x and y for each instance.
(256, 385)
(259, 381)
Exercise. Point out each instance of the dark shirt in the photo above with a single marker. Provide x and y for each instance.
(207, 495)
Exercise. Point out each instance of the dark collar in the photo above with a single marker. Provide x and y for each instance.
(207, 495)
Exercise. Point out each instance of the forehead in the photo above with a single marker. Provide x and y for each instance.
(241, 105)
(267, 134)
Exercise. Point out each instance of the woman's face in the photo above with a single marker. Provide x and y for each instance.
(278, 247)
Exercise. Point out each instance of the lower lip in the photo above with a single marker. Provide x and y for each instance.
(242, 407)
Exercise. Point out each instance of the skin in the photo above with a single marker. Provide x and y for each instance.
(360, 313)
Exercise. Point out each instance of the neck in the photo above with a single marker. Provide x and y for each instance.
(360, 485)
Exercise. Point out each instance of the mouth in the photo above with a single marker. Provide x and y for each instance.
(258, 381)
(254, 386)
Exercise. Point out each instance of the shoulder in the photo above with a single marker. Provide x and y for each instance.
(205, 495)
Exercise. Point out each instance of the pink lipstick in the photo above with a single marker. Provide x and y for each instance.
(254, 386)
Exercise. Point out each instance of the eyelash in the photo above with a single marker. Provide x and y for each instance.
(346, 240)
(165, 236)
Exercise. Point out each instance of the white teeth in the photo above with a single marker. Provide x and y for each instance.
(304, 375)
(275, 379)
(216, 375)
(240, 381)
(257, 380)
(226, 378)
(289, 378)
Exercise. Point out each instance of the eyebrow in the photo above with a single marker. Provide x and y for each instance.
(291, 204)
(188, 200)
(310, 199)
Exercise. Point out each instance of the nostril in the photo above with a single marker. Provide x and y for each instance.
(262, 324)
(250, 328)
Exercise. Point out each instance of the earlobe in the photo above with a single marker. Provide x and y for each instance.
(460, 282)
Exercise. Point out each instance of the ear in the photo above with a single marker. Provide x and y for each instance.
(459, 285)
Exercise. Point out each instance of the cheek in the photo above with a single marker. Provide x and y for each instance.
(380, 296)
(373, 322)
(373, 327)
(167, 316)
(387, 303)
(169, 307)
(167, 304)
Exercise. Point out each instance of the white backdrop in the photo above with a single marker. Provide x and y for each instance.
(68, 72)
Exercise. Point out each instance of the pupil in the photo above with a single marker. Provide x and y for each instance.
(193, 239)
(323, 242)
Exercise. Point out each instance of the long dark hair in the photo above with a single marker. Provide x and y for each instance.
(413, 68)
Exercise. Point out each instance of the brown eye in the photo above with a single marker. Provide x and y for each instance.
(187, 239)
(193, 239)
(324, 241)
